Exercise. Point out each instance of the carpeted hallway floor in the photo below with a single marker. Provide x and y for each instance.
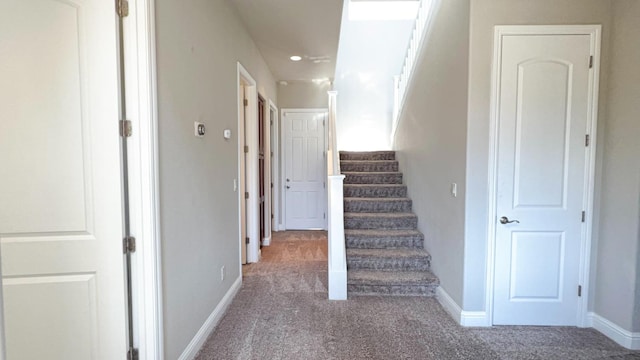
(282, 312)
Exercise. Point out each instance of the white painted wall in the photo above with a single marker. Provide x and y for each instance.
(303, 95)
(198, 45)
(617, 278)
(431, 142)
(485, 14)
(370, 54)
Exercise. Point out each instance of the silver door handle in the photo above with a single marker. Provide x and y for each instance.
(505, 220)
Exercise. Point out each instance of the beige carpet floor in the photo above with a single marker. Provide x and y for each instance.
(282, 312)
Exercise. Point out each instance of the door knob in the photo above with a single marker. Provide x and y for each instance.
(288, 187)
(505, 220)
(288, 180)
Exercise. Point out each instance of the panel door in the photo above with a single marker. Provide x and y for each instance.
(305, 170)
(542, 119)
(60, 181)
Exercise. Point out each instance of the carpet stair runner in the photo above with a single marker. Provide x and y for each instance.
(385, 251)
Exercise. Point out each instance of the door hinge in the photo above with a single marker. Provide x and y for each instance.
(246, 240)
(324, 185)
(590, 61)
(584, 216)
(324, 215)
(129, 245)
(322, 122)
(245, 102)
(126, 129)
(271, 122)
(272, 185)
(133, 354)
(246, 195)
(272, 217)
(579, 290)
(122, 8)
(587, 140)
(246, 149)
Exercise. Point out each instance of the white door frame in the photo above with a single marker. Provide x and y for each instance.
(253, 210)
(585, 248)
(141, 97)
(284, 154)
(275, 165)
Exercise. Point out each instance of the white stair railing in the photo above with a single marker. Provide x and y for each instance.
(424, 19)
(337, 259)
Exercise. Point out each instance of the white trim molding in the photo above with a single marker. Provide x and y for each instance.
(594, 31)
(462, 317)
(141, 98)
(249, 136)
(625, 338)
(210, 324)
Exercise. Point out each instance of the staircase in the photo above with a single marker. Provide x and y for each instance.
(385, 251)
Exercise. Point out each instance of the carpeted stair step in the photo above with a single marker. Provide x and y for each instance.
(377, 205)
(384, 239)
(388, 259)
(367, 155)
(397, 221)
(395, 283)
(375, 190)
(372, 177)
(368, 165)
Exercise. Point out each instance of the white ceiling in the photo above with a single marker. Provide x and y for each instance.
(282, 28)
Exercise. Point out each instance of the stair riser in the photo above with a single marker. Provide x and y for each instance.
(388, 243)
(366, 178)
(387, 166)
(375, 191)
(369, 206)
(401, 223)
(376, 155)
(392, 290)
(388, 264)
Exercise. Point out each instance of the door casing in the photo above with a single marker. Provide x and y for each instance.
(594, 31)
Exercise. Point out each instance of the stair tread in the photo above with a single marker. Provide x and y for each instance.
(376, 185)
(380, 233)
(368, 161)
(391, 277)
(381, 215)
(371, 173)
(386, 253)
(377, 199)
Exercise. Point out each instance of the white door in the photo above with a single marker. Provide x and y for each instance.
(305, 200)
(60, 181)
(542, 118)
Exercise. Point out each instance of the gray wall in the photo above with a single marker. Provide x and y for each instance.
(198, 45)
(485, 14)
(617, 266)
(431, 142)
(303, 95)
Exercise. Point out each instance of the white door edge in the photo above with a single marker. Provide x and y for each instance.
(253, 211)
(594, 31)
(141, 92)
(275, 165)
(283, 168)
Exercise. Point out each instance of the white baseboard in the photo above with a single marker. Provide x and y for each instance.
(201, 336)
(266, 241)
(464, 318)
(628, 339)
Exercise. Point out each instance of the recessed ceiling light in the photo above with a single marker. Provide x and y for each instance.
(295, 58)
